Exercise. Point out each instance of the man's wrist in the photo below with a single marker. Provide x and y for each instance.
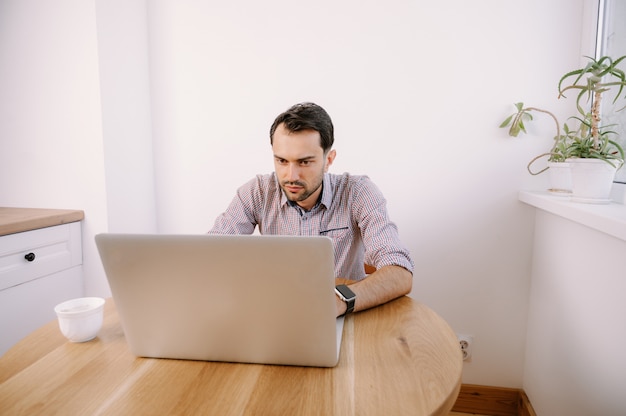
(347, 296)
(341, 307)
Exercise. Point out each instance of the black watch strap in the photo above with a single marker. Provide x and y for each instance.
(349, 306)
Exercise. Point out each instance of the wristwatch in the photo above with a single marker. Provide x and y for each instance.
(346, 295)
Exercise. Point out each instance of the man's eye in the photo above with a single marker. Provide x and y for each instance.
(305, 162)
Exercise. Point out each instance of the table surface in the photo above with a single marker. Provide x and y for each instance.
(399, 358)
(17, 220)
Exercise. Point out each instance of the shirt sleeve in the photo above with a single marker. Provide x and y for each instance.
(381, 239)
(240, 216)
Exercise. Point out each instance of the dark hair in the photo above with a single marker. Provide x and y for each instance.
(307, 116)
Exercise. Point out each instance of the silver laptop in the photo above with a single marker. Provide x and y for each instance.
(252, 299)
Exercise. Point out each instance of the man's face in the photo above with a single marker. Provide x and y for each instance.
(300, 164)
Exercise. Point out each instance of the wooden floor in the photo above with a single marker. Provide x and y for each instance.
(463, 414)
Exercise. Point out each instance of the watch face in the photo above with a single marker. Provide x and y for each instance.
(345, 291)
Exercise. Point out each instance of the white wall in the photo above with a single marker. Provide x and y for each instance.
(51, 153)
(416, 90)
(126, 119)
(575, 363)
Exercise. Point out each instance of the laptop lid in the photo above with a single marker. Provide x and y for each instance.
(244, 298)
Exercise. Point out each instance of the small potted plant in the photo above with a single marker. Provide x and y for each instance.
(558, 169)
(589, 148)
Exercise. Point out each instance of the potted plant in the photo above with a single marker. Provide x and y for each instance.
(588, 148)
(560, 178)
(593, 155)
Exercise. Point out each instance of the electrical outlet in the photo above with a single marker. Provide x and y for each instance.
(466, 343)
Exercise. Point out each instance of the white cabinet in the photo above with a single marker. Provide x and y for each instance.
(38, 269)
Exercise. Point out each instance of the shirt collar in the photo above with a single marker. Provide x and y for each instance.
(327, 192)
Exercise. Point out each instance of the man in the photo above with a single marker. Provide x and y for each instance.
(302, 198)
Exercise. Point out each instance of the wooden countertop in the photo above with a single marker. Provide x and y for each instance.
(17, 220)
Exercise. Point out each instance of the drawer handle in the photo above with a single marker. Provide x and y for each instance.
(30, 256)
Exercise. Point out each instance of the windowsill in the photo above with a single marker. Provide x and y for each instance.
(607, 218)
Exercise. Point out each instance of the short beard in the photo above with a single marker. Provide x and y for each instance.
(306, 194)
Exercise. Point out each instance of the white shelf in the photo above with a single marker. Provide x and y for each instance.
(607, 218)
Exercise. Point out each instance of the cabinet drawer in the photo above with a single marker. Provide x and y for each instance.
(51, 250)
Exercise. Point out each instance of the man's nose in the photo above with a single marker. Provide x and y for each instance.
(293, 172)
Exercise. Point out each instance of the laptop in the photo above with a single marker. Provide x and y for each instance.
(238, 298)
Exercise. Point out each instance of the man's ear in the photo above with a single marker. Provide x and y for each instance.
(330, 157)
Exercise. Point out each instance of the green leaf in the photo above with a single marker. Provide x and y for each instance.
(507, 121)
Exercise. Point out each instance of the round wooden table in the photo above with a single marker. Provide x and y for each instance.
(400, 358)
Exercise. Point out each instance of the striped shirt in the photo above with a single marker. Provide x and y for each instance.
(351, 211)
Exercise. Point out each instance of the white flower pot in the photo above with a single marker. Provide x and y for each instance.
(560, 178)
(592, 180)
